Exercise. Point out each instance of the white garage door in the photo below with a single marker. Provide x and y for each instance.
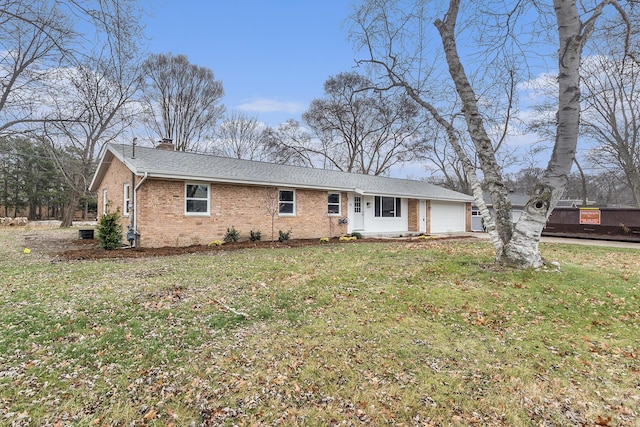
(448, 217)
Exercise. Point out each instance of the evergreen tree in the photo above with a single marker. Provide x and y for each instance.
(110, 231)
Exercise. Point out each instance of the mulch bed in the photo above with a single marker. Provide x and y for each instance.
(89, 250)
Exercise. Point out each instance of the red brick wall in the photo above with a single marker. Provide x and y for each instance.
(413, 215)
(162, 220)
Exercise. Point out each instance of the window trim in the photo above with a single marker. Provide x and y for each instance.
(339, 213)
(126, 199)
(208, 199)
(287, 202)
(378, 207)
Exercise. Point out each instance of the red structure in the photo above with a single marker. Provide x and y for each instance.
(595, 223)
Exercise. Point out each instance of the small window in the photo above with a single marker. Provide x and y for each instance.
(286, 202)
(105, 202)
(388, 207)
(197, 199)
(127, 199)
(357, 204)
(333, 204)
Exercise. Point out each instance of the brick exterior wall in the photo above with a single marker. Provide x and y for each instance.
(161, 218)
(413, 215)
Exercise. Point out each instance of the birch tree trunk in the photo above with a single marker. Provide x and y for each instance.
(519, 242)
(522, 250)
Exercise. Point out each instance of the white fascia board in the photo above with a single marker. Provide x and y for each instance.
(416, 197)
(99, 172)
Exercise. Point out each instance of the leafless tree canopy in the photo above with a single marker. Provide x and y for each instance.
(69, 89)
(354, 128)
(182, 100)
(611, 116)
(242, 137)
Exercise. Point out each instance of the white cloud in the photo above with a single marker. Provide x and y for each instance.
(262, 105)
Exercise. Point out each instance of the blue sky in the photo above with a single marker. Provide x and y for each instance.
(272, 56)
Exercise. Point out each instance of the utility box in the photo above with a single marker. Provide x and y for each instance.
(85, 234)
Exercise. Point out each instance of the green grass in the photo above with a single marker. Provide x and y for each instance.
(421, 333)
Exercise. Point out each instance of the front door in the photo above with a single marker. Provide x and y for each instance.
(358, 213)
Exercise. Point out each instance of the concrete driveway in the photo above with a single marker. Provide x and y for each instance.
(571, 241)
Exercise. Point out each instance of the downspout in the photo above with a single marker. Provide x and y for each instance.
(134, 220)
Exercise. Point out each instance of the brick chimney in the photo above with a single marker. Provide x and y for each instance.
(166, 144)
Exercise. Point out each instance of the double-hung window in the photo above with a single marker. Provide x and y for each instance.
(333, 204)
(286, 202)
(196, 199)
(388, 207)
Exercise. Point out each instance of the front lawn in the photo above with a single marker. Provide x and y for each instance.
(402, 333)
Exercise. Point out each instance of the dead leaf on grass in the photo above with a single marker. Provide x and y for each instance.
(150, 415)
(602, 421)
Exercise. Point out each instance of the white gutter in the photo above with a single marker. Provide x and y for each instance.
(135, 202)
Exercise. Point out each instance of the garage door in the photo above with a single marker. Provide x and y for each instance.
(448, 217)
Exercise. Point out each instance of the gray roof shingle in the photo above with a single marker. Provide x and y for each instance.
(203, 167)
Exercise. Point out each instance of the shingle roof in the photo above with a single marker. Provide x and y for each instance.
(203, 167)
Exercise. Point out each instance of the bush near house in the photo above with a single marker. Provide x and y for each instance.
(283, 236)
(110, 231)
(232, 235)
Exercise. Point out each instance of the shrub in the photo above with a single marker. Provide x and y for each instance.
(255, 236)
(232, 235)
(215, 243)
(110, 231)
(284, 236)
(347, 238)
(324, 239)
(424, 237)
(356, 235)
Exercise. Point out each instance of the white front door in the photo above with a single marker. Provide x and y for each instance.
(358, 213)
(423, 216)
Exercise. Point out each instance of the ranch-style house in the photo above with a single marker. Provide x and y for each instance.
(173, 198)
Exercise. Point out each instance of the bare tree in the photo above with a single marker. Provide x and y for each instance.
(242, 137)
(35, 37)
(611, 116)
(93, 105)
(39, 38)
(287, 144)
(271, 204)
(362, 130)
(182, 99)
(395, 40)
(65, 86)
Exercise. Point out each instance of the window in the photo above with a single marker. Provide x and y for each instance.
(286, 202)
(105, 202)
(127, 199)
(333, 204)
(197, 199)
(357, 204)
(388, 207)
